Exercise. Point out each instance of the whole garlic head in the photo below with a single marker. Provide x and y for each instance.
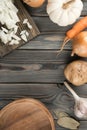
(64, 12)
(80, 108)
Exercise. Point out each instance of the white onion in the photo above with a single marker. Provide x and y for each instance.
(9, 18)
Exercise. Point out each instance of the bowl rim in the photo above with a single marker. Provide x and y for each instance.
(35, 101)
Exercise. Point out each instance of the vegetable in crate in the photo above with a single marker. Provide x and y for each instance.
(34, 3)
(64, 12)
(80, 108)
(76, 72)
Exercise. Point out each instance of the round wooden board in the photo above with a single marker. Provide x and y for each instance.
(26, 114)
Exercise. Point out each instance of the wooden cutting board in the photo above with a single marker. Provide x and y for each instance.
(23, 14)
(26, 114)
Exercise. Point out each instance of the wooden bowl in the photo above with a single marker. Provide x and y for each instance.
(26, 114)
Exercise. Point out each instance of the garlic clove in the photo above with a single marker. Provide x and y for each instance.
(80, 108)
(52, 7)
(78, 4)
(76, 13)
(55, 16)
(72, 17)
(64, 21)
(55, 6)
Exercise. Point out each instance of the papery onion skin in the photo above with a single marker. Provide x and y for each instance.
(34, 3)
(79, 45)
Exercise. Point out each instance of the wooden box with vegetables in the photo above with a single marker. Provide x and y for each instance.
(49, 63)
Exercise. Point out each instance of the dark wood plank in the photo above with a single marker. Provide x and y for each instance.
(49, 26)
(46, 42)
(83, 125)
(37, 56)
(34, 66)
(44, 92)
(34, 73)
(51, 94)
(23, 14)
(4, 102)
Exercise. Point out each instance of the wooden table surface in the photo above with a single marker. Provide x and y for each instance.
(33, 70)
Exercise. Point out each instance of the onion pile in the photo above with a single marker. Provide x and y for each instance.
(9, 19)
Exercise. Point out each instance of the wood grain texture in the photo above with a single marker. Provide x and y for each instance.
(63, 100)
(34, 66)
(50, 94)
(33, 70)
(23, 14)
(47, 42)
(48, 25)
(37, 56)
(26, 114)
(44, 92)
(48, 73)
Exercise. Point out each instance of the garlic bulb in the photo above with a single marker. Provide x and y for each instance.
(64, 12)
(80, 108)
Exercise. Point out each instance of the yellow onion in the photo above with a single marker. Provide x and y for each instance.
(34, 3)
(79, 45)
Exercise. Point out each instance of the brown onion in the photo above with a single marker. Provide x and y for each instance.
(79, 45)
(34, 3)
